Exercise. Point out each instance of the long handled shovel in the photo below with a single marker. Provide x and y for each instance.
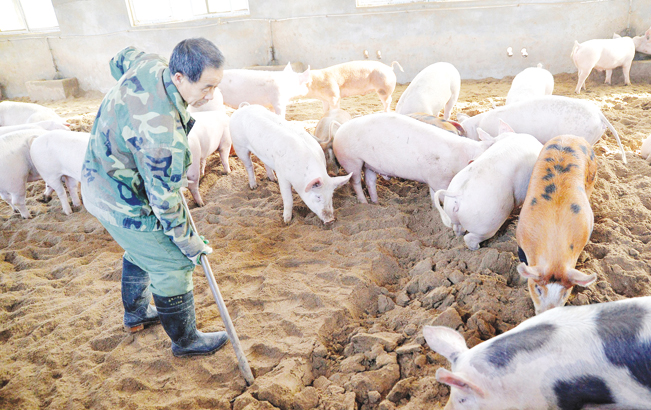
(226, 318)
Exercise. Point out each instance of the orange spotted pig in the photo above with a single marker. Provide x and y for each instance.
(556, 220)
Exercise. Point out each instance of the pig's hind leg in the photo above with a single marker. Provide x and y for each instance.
(370, 178)
(57, 185)
(473, 240)
(7, 198)
(270, 173)
(583, 75)
(73, 187)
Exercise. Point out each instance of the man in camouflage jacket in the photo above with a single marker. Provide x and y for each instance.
(132, 176)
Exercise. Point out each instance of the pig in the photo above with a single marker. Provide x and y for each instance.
(394, 145)
(216, 104)
(483, 194)
(642, 43)
(16, 167)
(46, 125)
(325, 132)
(448, 125)
(59, 155)
(434, 89)
(603, 54)
(266, 88)
(531, 82)
(16, 113)
(545, 118)
(646, 149)
(292, 153)
(333, 83)
(210, 133)
(556, 221)
(569, 358)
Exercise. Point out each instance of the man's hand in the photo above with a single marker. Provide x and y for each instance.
(205, 251)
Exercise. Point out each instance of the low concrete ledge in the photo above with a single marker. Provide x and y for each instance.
(48, 90)
(297, 67)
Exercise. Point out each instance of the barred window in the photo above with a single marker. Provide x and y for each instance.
(27, 16)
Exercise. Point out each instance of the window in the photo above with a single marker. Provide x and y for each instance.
(371, 3)
(27, 15)
(170, 11)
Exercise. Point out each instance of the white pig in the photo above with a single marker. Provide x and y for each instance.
(46, 125)
(482, 195)
(16, 113)
(266, 88)
(572, 357)
(16, 167)
(530, 82)
(642, 43)
(325, 132)
(333, 83)
(216, 104)
(59, 155)
(603, 54)
(545, 118)
(434, 89)
(292, 153)
(395, 145)
(210, 133)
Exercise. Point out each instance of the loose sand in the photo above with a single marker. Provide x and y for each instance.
(328, 318)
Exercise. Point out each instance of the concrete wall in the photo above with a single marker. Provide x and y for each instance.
(472, 35)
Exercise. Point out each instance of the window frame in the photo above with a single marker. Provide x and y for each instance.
(138, 23)
(23, 20)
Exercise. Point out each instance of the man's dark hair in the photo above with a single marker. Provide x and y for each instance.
(191, 56)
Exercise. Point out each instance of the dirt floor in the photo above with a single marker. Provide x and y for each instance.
(329, 318)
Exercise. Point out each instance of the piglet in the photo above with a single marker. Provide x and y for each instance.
(545, 118)
(268, 88)
(16, 168)
(569, 358)
(210, 133)
(603, 54)
(434, 89)
(394, 145)
(292, 153)
(46, 125)
(325, 132)
(16, 113)
(483, 194)
(333, 83)
(59, 155)
(556, 221)
(530, 82)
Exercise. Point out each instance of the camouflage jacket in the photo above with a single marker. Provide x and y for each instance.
(138, 154)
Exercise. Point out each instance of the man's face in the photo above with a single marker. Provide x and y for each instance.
(199, 93)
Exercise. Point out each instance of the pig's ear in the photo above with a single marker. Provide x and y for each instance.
(579, 278)
(462, 117)
(484, 136)
(340, 181)
(615, 35)
(288, 67)
(529, 272)
(504, 127)
(454, 380)
(315, 183)
(304, 77)
(445, 341)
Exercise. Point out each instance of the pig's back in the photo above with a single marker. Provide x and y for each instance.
(252, 86)
(433, 86)
(396, 145)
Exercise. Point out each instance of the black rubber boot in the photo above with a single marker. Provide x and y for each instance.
(178, 319)
(135, 298)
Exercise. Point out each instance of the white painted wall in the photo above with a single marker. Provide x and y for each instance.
(472, 35)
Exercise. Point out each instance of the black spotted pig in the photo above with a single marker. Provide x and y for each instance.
(570, 358)
(556, 220)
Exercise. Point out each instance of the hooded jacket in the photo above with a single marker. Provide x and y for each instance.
(138, 153)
